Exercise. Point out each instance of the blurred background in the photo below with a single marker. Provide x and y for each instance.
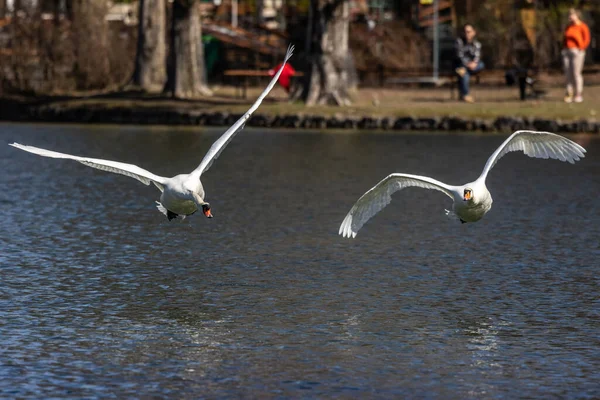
(184, 47)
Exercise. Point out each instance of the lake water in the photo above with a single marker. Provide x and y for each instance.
(101, 296)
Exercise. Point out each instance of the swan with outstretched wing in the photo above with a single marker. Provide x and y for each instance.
(472, 200)
(183, 194)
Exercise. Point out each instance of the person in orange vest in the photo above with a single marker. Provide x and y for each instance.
(576, 41)
(285, 79)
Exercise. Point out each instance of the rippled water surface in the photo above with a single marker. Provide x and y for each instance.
(101, 296)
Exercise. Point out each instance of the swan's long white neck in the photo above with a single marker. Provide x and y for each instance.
(482, 177)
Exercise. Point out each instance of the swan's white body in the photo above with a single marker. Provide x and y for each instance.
(533, 144)
(182, 194)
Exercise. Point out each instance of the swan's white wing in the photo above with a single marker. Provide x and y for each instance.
(538, 145)
(380, 196)
(111, 166)
(224, 140)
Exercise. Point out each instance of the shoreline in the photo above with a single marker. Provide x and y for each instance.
(141, 112)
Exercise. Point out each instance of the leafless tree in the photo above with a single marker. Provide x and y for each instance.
(185, 72)
(150, 63)
(91, 43)
(329, 53)
(17, 5)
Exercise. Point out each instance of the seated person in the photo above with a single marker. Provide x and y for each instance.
(468, 60)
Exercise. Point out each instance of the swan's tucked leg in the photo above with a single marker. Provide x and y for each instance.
(452, 215)
(169, 214)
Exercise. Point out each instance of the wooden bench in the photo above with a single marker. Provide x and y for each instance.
(524, 79)
(420, 78)
(452, 80)
(243, 76)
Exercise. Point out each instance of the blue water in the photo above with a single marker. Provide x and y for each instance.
(102, 297)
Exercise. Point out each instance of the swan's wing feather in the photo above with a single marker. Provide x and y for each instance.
(223, 141)
(380, 196)
(130, 170)
(538, 145)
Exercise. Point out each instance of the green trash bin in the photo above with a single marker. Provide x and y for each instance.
(212, 52)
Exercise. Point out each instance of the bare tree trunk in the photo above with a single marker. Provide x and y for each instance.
(150, 72)
(186, 77)
(328, 74)
(51, 6)
(260, 5)
(2, 8)
(69, 9)
(90, 30)
(46, 6)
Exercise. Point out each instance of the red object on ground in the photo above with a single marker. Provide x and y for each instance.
(285, 79)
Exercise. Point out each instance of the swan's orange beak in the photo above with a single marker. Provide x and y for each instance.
(468, 195)
(206, 211)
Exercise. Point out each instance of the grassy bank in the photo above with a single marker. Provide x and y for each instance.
(491, 103)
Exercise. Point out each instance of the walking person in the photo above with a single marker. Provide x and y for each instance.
(468, 60)
(576, 41)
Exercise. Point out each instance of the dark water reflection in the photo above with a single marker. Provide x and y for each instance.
(100, 296)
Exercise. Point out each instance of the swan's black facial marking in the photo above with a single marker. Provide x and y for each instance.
(206, 210)
(468, 195)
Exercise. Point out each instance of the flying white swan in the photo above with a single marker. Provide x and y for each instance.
(472, 200)
(183, 194)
